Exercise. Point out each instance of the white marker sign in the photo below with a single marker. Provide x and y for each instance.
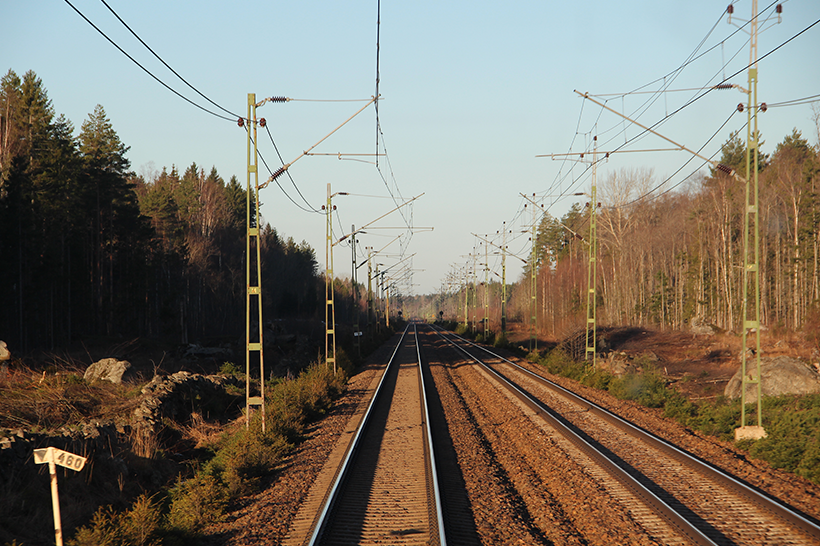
(53, 457)
(60, 457)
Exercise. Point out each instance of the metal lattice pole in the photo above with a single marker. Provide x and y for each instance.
(592, 273)
(253, 294)
(751, 235)
(330, 311)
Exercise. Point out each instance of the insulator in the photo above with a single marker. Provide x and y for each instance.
(240, 122)
(582, 156)
(334, 207)
(606, 156)
(740, 107)
(730, 10)
(279, 172)
(262, 122)
(779, 8)
(763, 107)
(323, 207)
(724, 168)
(723, 86)
(599, 205)
(278, 99)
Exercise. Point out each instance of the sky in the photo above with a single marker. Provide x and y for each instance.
(470, 94)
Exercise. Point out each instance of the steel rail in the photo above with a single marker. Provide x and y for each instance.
(323, 518)
(354, 446)
(429, 435)
(658, 505)
(755, 496)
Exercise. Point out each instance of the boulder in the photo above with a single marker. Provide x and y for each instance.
(779, 375)
(700, 327)
(5, 354)
(107, 369)
(619, 364)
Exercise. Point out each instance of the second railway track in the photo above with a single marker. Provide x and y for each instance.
(700, 504)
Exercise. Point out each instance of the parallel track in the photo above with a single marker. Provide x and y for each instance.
(684, 499)
(386, 490)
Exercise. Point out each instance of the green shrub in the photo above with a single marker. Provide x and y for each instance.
(560, 363)
(596, 378)
(647, 388)
(239, 460)
(195, 503)
(139, 526)
(231, 369)
(102, 531)
(243, 456)
(142, 522)
(793, 442)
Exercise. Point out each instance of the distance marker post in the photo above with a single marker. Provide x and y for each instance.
(54, 457)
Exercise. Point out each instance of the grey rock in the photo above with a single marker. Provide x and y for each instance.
(778, 375)
(107, 369)
(619, 364)
(700, 327)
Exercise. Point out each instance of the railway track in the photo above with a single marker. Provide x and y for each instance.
(386, 489)
(676, 497)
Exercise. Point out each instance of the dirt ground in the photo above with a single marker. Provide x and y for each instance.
(698, 365)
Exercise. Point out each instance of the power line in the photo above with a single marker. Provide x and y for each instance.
(684, 165)
(795, 102)
(710, 89)
(168, 87)
(689, 60)
(313, 209)
(277, 181)
(166, 64)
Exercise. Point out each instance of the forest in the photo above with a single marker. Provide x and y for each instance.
(88, 248)
(670, 260)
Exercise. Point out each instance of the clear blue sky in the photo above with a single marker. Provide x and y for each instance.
(472, 92)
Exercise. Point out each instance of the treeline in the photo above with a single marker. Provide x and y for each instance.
(670, 260)
(675, 258)
(89, 248)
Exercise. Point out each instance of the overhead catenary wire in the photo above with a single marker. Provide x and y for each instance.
(265, 163)
(132, 59)
(689, 60)
(795, 102)
(650, 192)
(710, 89)
(164, 63)
(276, 148)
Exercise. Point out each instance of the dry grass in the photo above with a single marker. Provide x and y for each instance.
(200, 432)
(46, 400)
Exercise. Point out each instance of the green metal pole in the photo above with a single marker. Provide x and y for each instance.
(533, 287)
(253, 292)
(330, 311)
(486, 287)
(504, 281)
(356, 334)
(751, 266)
(592, 273)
